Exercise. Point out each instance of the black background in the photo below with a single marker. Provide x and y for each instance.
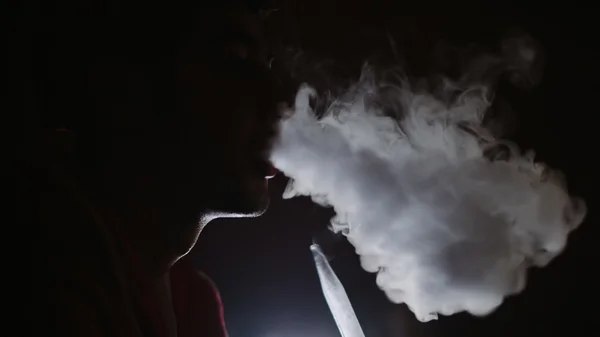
(263, 266)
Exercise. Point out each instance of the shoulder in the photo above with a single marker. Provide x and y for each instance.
(184, 273)
(196, 301)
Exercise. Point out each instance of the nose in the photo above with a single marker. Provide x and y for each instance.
(283, 86)
(282, 89)
(275, 92)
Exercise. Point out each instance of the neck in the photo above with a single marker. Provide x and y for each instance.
(148, 248)
(154, 247)
(150, 242)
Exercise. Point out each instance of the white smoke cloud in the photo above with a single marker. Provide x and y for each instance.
(446, 226)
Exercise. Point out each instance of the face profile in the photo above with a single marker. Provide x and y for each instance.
(196, 137)
(229, 94)
(170, 112)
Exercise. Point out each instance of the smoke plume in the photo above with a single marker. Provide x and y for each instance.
(448, 216)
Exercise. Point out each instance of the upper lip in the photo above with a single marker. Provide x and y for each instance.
(268, 134)
(261, 152)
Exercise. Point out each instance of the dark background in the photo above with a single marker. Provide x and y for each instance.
(263, 266)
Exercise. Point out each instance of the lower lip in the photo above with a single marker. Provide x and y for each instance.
(271, 171)
(265, 169)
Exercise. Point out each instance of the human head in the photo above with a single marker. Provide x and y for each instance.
(173, 107)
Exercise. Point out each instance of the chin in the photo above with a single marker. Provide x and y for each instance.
(247, 208)
(249, 199)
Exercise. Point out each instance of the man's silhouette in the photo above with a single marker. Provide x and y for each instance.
(155, 119)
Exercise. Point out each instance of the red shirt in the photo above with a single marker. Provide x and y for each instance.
(196, 302)
(90, 291)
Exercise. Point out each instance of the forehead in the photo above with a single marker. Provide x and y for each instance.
(227, 21)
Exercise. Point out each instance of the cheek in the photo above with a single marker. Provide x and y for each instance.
(220, 140)
(216, 108)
